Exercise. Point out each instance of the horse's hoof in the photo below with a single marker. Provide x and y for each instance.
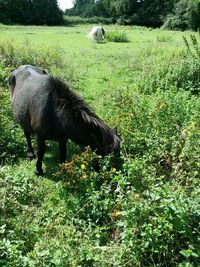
(30, 156)
(39, 172)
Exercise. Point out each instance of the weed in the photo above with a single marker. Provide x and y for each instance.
(163, 38)
(117, 36)
(193, 47)
(14, 55)
(145, 213)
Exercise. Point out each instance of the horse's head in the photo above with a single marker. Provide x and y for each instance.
(106, 142)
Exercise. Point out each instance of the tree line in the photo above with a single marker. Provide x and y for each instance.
(35, 12)
(172, 14)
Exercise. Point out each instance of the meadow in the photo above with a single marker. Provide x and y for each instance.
(145, 212)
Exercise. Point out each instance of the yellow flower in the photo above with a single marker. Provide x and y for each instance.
(136, 195)
(113, 170)
(115, 214)
(118, 213)
(193, 125)
(163, 105)
(83, 166)
(84, 176)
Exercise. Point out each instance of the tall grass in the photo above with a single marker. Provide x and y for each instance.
(117, 36)
(12, 54)
(76, 20)
(193, 45)
(145, 213)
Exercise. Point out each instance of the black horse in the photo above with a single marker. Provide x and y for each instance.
(45, 106)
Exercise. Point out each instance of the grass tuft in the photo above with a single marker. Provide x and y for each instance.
(117, 36)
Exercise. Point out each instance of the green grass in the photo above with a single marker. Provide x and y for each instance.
(147, 212)
(116, 36)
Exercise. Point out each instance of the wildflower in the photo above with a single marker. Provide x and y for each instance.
(163, 105)
(113, 170)
(136, 195)
(115, 214)
(84, 176)
(83, 166)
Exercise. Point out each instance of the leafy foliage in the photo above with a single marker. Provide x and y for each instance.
(117, 36)
(175, 14)
(194, 11)
(13, 55)
(11, 140)
(87, 212)
(31, 12)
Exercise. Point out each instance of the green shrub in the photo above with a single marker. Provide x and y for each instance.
(194, 11)
(193, 46)
(11, 138)
(117, 36)
(181, 71)
(16, 190)
(146, 213)
(15, 55)
(163, 38)
(157, 227)
(185, 16)
(75, 20)
(179, 20)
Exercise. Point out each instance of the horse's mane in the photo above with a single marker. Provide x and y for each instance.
(69, 100)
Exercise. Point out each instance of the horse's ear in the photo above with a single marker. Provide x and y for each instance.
(12, 81)
(44, 72)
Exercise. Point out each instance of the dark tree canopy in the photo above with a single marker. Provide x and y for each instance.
(31, 12)
(183, 14)
(174, 14)
(143, 12)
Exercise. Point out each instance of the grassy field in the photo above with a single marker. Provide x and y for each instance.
(147, 212)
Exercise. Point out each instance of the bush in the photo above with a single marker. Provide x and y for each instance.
(144, 214)
(117, 36)
(13, 55)
(163, 38)
(16, 190)
(180, 19)
(11, 138)
(185, 16)
(181, 71)
(194, 11)
(75, 20)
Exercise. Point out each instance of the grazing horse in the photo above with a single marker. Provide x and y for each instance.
(45, 106)
(97, 34)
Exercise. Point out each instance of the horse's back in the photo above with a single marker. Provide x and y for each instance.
(31, 97)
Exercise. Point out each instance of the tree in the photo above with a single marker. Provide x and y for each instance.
(46, 12)
(153, 12)
(194, 14)
(4, 17)
(88, 8)
(31, 12)
(120, 8)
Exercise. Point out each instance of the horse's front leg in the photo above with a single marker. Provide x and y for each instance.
(62, 150)
(30, 150)
(40, 155)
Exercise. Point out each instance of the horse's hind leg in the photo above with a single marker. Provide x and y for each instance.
(30, 151)
(62, 151)
(40, 154)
